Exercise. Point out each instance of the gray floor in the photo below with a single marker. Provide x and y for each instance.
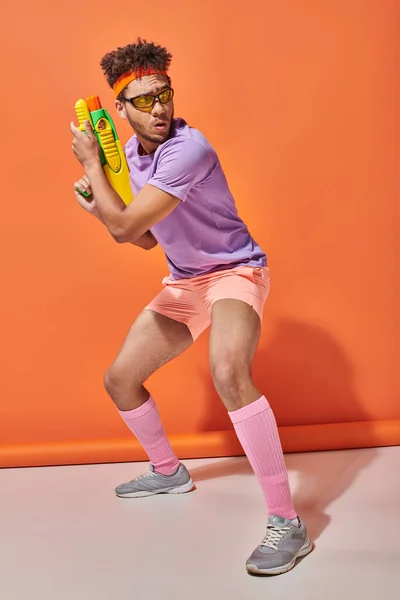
(65, 536)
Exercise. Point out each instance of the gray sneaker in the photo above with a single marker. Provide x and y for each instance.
(283, 544)
(152, 483)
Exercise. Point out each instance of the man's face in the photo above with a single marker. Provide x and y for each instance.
(153, 126)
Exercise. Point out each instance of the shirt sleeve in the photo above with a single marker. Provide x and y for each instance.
(181, 165)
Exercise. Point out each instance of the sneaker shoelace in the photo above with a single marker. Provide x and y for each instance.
(145, 475)
(274, 536)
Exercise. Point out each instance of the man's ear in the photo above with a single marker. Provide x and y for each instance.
(120, 108)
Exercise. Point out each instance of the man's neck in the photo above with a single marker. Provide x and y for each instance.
(145, 147)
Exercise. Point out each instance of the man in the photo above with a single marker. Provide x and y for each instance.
(218, 277)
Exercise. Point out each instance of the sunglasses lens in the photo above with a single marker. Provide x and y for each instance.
(143, 101)
(166, 96)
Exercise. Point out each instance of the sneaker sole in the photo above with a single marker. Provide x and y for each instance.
(182, 489)
(306, 549)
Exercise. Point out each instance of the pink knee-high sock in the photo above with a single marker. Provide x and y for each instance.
(145, 424)
(257, 431)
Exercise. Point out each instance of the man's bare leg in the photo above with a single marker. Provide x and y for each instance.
(152, 341)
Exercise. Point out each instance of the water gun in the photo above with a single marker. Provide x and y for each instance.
(111, 153)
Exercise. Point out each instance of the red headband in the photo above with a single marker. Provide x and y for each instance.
(126, 78)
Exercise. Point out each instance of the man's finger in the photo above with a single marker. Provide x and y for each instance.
(88, 128)
(75, 130)
(83, 185)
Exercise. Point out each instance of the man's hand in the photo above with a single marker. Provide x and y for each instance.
(85, 146)
(89, 203)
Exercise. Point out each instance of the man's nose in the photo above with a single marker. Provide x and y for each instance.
(158, 108)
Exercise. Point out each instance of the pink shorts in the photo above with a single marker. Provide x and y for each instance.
(190, 301)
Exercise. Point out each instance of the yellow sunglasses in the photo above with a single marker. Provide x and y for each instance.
(145, 102)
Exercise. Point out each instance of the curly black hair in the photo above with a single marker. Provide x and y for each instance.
(133, 57)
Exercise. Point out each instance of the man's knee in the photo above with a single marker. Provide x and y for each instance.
(231, 378)
(117, 383)
(111, 382)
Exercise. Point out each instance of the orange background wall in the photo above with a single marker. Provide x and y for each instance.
(301, 101)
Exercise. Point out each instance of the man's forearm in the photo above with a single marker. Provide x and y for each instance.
(147, 241)
(109, 203)
(129, 223)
